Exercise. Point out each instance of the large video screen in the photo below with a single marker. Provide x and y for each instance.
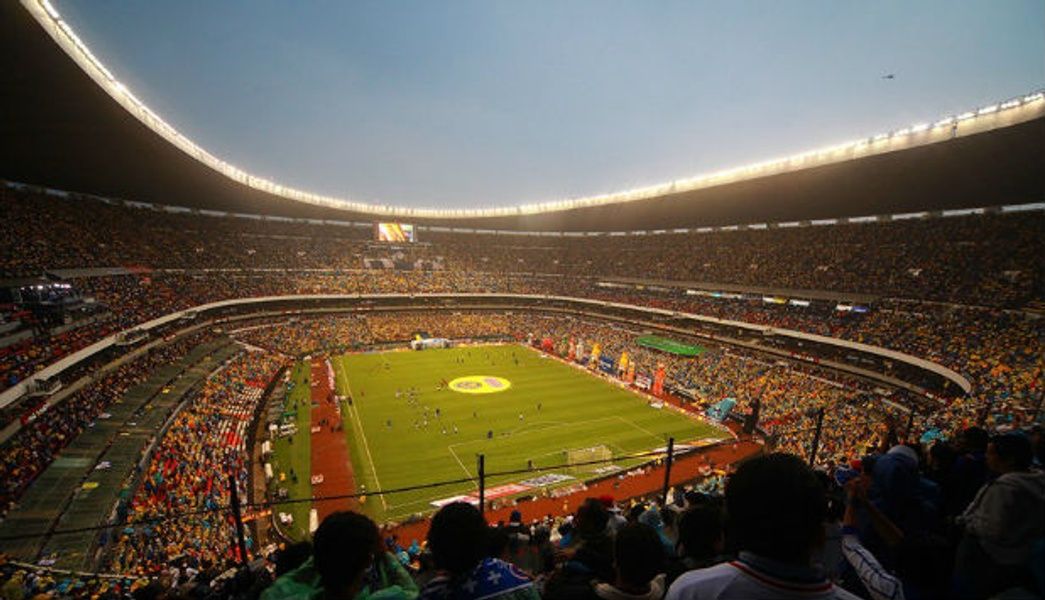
(394, 232)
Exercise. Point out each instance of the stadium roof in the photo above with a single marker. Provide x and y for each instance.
(66, 122)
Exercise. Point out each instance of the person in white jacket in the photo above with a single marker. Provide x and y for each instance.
(1002, 523)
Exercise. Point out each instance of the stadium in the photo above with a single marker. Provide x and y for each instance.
(215, 385)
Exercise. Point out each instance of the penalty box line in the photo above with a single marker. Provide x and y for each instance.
(359, 427)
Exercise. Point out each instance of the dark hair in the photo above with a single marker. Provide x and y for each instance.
(776, 507)
(668, 517)
(343, 546)
(694, 498)
(592, 518)
(700, 528)
(457, 537)
(635, 512)
(974, 439)
(943, 455)
(1015, 449)
(638, 554)
(292, 557)
(497, 542)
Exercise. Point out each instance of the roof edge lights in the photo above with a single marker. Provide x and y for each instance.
(921, 133)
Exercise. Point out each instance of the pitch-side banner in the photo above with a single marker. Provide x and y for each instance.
(642, 381)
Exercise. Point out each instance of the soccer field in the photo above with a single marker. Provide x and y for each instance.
(534, 409)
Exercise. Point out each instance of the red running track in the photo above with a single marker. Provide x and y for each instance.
(330, 457)
(684, 470)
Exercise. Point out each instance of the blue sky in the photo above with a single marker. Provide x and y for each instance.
(492, 103)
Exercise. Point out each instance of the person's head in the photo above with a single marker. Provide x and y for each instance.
(457, 537)
(638, 556)
(497, 542)
(941, 456)
(974, 439)
(292, 557)
(592, 518)
(343, 547)
(701, 532)
(635, 512)
(695, 498)
(669, 517)
(776, 508)
(1009, 452)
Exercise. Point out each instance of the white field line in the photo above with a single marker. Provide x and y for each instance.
(620, 451)
(642, 429)
(523, 430)
(424, 501)
(359, 428)
(458, 459)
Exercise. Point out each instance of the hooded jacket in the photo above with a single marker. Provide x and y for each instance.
(1006, 517)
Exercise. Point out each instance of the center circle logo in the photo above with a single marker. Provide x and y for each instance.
(480, 384)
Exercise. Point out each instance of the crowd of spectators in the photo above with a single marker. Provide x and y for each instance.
(27, 356)
(788, 393)
(458, 325)
(190, 470)
(910, 522)
(855, 418)
(953, 520)
(44, 433)
(992, 259)
(980, 260)
(331, 334)
(946, 520)
(1000, 352)
(876, 504)
(304, 336)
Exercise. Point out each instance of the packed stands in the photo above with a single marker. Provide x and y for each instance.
(989, 259)
(961, 291)
(894, 523)
(46, 432)
(202, 449)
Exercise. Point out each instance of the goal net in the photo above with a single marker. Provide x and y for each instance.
(583, 459)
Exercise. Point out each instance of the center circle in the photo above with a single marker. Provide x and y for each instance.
(480, 384)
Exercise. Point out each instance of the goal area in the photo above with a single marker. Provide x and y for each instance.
(583, 459)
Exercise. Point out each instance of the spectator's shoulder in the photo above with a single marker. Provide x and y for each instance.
(703, 583)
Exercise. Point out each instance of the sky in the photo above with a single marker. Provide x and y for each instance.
(463, 104)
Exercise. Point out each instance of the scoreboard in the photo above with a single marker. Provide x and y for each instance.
(394, 232)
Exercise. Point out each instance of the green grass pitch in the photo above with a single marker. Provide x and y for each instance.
(577, 410)
(296, 454)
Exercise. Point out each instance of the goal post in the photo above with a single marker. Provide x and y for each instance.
(582, 459)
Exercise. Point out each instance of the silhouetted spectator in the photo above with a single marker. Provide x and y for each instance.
(701, 542)
(344, 549)
(458, 540)
(775, 508)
